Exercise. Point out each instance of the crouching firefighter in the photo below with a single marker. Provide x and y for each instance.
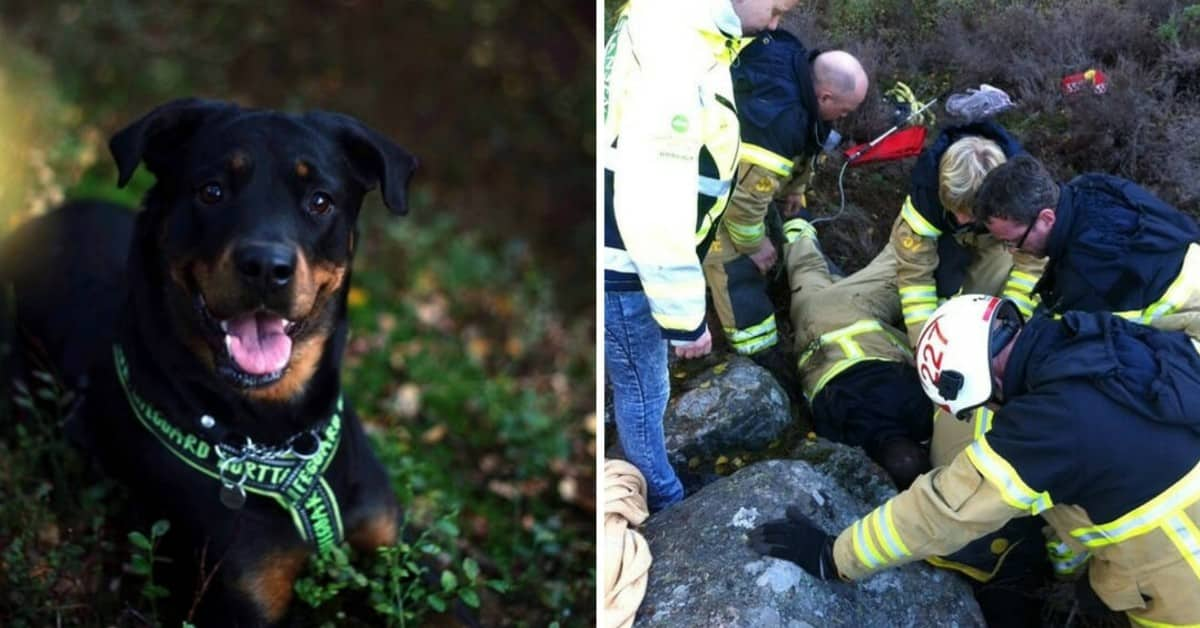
(856, 368)
(1098, 430)
(786, 96)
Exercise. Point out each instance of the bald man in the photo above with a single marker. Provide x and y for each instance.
(786, 96)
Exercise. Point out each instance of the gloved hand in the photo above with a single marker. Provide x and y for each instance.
(799, 540)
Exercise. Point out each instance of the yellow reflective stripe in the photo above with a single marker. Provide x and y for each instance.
(839, 336)
(1023, 302)
(1185, 536)
(864, 548)
(797, 228)
(1021, 278)
(918, 303)
(1064, 560)
(885, 531)
(767, 325)
(711, 217)
(1141, 621)
(745, 234)
(861, 327)
(916, 221)
(1004, 477)
(1146, 517)
(759, 156)
(836, 370)
(755, 338)
(1181, 290)
(983, 421)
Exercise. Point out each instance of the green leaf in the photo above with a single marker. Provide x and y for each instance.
(436, 603)
(470, 569)
(447, 527)
(139, 540)
(160, 528)
(139, 565)
(499, 586)
(449, 581)
(154, 591)
(469, 597)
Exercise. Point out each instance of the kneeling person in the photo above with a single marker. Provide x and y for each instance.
(1098, 431)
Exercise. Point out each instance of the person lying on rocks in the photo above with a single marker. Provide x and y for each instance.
(855, 366)
(1096, 428)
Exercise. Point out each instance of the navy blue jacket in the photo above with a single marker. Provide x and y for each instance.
(773, 90)
(1114, 247)
(923, 189)
(1101, 413)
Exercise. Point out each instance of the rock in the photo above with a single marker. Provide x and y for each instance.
(705, 575)
(735, 405)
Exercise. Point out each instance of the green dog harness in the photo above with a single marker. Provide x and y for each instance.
(292, 478)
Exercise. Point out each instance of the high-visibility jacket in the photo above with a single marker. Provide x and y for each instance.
(937, 257)
(1117, 248)
(671, 132)
(1101, 436)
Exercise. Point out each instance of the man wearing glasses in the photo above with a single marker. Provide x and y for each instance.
(1112, 246)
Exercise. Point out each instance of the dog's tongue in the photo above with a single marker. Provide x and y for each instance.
(258, 343)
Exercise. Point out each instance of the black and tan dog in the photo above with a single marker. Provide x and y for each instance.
(206, 336)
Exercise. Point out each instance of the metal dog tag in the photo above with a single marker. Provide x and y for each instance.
(233, 496)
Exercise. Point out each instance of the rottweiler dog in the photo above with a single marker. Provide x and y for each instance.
(204, 335)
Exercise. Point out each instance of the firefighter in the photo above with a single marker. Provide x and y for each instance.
(672, 138)
(942, 251)
(1098, 430)
(786, 97)
(856, 368)
(1111, 245)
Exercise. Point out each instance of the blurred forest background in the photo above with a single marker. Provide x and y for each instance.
(473, 320)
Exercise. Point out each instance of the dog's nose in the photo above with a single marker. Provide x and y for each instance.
(265, 266)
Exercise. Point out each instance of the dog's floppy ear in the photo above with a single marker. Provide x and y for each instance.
(374, 157)
(151, 137)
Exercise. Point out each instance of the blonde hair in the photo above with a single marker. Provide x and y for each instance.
(962, 169)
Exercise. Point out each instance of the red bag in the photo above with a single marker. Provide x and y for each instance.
(904, 143)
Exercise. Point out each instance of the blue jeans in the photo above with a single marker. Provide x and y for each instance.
(635, 359)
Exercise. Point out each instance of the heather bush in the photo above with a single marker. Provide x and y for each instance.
(1145, 127)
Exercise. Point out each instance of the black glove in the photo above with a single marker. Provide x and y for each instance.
(799, 540)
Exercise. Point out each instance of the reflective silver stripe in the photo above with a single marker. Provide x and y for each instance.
(1183, 533)
(618, 260)
(1144, 518)
(717, 188)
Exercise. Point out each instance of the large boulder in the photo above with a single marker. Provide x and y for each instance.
(734, 405)
(705, 575)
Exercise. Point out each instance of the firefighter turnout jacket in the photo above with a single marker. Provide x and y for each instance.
(1117, 248)
(671, 133)
(781, 136)
(937, 258)
(856, 367)
(1101, 436)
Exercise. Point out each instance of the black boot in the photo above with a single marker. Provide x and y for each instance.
(783, 369)
(903, 459)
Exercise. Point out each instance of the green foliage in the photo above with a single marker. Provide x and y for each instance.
(1184, 22)
(398, 580)
(142, 560)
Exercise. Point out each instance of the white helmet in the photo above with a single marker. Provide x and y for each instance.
(956, 346)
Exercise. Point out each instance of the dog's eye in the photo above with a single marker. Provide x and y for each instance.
(320, 203)
(211, 193)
